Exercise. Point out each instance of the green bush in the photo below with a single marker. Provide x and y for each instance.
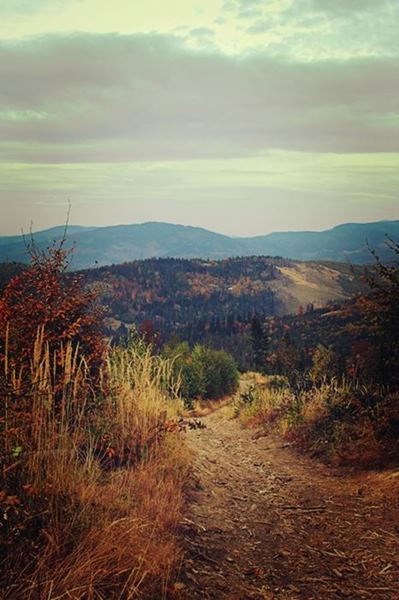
(203, 372)
(325, 365)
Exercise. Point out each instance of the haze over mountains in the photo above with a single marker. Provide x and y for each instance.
(350, 242)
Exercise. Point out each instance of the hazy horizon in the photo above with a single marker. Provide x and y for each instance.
(226, 233)
(240, 116)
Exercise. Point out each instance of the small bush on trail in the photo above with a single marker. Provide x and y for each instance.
(203, 372)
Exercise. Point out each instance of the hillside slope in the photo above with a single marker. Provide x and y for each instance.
(122, 243)
(214, 301)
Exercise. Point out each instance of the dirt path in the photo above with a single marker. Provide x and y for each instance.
(265, 522)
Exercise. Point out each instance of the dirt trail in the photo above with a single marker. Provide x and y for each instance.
(265, 522)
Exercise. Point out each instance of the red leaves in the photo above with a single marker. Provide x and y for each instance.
(45, 296)
(7, 500)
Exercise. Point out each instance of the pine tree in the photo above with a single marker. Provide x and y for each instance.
(259, 340)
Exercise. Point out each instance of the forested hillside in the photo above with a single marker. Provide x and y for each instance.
(211, 302)
(214, 302)
(331, 375)
(342, 329)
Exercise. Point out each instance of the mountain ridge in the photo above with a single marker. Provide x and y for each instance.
(113, 244)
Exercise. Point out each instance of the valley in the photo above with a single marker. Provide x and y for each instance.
(233, 423)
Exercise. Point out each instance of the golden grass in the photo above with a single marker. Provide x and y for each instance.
(202, 408)
(76, 529)
(265, 406)
(341, 422)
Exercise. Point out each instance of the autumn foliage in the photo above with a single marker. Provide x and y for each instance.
(45, 297)
(341, 365)
(91, 458)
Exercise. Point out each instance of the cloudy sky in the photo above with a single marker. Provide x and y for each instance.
(242, 116)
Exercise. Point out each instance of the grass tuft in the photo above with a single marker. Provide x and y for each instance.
(92, 480)
(341, 422)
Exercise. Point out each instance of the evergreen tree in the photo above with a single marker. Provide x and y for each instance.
(290, 359)
(259, 340)
(382, 310)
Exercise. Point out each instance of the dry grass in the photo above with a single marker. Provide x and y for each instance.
(262, 399)
(341, 422)
(305, 283)
(202, 408)
(92, 482)
(263, 406)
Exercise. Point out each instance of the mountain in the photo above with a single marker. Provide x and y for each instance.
(123, 243)
(54, 233)
(348, 242)
(213, 301)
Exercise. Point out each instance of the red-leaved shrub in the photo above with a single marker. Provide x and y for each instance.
(45, 297)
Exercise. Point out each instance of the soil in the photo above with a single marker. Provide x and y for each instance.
(266, 522)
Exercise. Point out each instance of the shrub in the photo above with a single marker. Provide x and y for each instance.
(44, 296)
(325, 364)
(92, 461)
(203, 372)
(341, 423)
(187, 374)
(218, 369)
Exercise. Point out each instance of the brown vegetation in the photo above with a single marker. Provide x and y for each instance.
(338, 399)
(340, 422)
(92, 467)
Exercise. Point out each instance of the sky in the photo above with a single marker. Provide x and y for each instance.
(241, 116)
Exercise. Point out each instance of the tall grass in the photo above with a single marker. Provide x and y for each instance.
(92, 476)
(341, 421)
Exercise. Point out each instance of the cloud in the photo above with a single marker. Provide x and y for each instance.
(24, 7)
(85, 97)
(314, 29)
(344, 6)
(201, 38)
(244, 9)
(201, 32)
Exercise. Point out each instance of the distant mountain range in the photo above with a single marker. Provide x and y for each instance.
(98, 246)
